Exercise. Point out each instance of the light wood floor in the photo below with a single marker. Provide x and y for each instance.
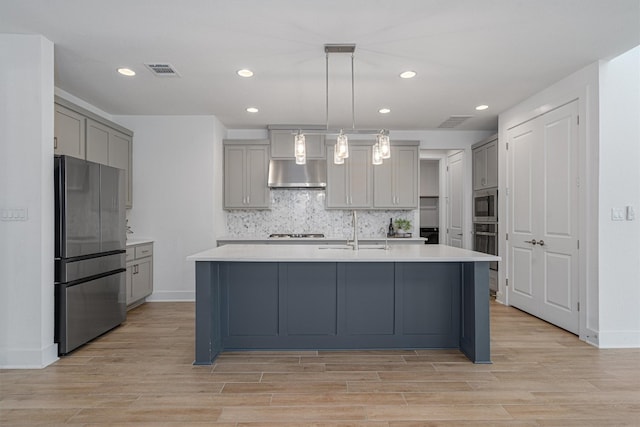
(141, 374)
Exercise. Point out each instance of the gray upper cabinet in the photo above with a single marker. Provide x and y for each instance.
(246, 165)
(396, 179)
(69, 132)
(81, 133)
(110, 147)
(485, 165)
(350, 185)
(282, 145)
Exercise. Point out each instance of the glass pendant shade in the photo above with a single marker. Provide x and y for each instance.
(300, 149)
(377, 155)
(299, 144)
(385, 146)
(342, 146)
(336, 157)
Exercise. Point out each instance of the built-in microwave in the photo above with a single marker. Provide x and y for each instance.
(485, 205)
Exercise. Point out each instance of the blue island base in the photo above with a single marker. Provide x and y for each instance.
(341, 305)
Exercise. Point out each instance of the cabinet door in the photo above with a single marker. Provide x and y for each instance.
(234, 176)
(142, 279)
(405, 176)
(492, 164)
(360, 179)
(257, 165)
(282, 145)
(97, 142)
(479, 168)
(245, 176)
(384, 194)
(69, 132)
(129, 281)
(396, 179)
(336, 193)
(120, 157)
(485, 166)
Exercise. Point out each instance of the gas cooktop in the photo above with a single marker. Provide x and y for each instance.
(296, 236)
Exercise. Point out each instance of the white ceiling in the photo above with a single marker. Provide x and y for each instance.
(466, 52)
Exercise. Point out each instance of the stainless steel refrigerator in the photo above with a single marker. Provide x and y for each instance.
(90, 250)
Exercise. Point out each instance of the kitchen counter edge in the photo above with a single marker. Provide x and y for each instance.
(321, 253)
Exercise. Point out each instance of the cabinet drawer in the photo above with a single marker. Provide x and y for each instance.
(144, 250)
(131, 254)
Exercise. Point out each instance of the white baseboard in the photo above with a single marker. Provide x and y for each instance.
(618, 339)
(28, 358)
(172, 296)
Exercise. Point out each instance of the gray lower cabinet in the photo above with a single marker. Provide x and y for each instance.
(350, 185)
(139, 273)
(69, 132)
(395, 181)
(282, 145)
(246, 168)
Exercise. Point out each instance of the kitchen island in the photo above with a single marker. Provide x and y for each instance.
(292, 297)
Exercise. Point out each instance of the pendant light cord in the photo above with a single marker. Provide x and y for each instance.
(327, 89)
(353, 97)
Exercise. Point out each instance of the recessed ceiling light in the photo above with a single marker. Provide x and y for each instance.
(252, 110)
(245, 73)
(482, 107)
(408, 74)
(127, 72)
(384, 111)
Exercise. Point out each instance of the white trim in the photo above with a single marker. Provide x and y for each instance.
(172, 296)
(28, 358)
(619, 339)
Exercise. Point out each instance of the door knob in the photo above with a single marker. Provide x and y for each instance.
(541, 242)
(533, 242)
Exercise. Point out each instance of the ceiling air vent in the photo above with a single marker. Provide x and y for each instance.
(453, 121)
(162, 69)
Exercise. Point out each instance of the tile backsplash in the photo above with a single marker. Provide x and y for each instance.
(303, 211)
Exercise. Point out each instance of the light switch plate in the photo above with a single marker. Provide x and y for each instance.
(631, 213)
(617, 214)
(14, 214)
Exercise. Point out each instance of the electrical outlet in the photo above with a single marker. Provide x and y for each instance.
(631, 213)
(617, 214)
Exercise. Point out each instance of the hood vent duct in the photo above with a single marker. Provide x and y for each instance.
(288, 174)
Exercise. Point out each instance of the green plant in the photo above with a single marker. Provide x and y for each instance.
(404, 224)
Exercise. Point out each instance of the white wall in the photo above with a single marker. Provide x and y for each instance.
(26, 181)
(619, 182)
(177, 194)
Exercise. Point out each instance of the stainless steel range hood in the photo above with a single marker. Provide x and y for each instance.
(288, 174)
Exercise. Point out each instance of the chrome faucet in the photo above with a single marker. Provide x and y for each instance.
(355, 231)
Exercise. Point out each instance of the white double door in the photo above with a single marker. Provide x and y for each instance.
(543, 217)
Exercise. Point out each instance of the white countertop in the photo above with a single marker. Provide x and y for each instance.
(307, 239)
(336, 253)
(139, 241)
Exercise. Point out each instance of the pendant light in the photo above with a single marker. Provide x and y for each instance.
(336, 156)
(377, 155)
(381, 149)
(300, 149)
(384, 145)
(342, 145)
